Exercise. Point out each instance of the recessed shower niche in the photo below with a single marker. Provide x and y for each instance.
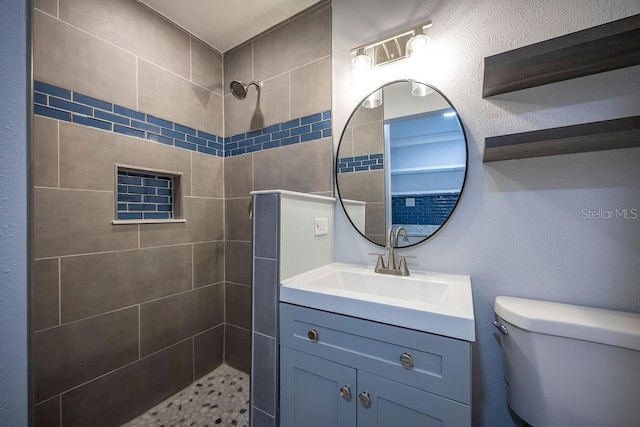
(145, 195)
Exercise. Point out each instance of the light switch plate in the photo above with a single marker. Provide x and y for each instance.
(321, 226)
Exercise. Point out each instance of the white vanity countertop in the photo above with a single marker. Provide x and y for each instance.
(431, 302)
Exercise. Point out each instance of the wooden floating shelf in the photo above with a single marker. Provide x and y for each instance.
(604, 135)
(602, 48)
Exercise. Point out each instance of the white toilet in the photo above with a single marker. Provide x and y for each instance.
(567, 365)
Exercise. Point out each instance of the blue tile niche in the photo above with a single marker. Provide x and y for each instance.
(144, 195)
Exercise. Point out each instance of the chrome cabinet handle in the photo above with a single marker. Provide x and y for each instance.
(365, 399)
(345, 393)
(406, 360)
(313, 335)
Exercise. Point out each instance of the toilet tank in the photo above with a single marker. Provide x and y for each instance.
(567, 365)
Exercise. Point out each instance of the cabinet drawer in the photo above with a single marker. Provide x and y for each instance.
(440, 365)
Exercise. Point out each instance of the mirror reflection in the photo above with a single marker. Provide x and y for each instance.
(402, 163)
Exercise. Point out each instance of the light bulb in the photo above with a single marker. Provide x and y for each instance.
(374, 100)
(420, 89)
(361, 62)
(418, 45)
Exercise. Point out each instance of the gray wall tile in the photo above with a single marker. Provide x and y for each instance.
(87, 157)
(71, 354)
(242, 115)
(170, 97)
(118, 397)
(132, 27)
(208, 263)
(47, 413)
(166, 321)
(204, 223)
(237, 222)
(70, 58)
(345, 149)
(260, 419)
(94, 284)
(368, 138)
(238, 305)
(45, 293)
(206, 66)
(265, 296)
(45, 152)
(238, 262)
(238, 66)
(208, 350)
(237, 348)
(258, 110)
(311, 88)
(267, 218)
(367, 186)
(304, 39)
(68, 222)
(263, 394)
(48, 6)
(374, 218)
(303, 167)
(366, 115)
(207, 176)
(273, 102)
(238, 176)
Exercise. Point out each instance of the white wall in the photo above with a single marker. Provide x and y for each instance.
(519, 227)
(300, 248)
(13, 212)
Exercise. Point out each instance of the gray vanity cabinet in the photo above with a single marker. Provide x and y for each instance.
(395, 376)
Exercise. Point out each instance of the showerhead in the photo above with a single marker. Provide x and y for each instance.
(239, 88)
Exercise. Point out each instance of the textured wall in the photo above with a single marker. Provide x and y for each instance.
(124, 315)
(519, 227)
(13, 212)
(294, 62)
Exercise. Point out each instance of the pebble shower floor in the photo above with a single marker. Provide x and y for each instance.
(220, 398)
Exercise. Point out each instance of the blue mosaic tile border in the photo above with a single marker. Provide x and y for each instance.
(63, 104)
(433, 209)
(295, 131)
(144, 196)
(360, 163)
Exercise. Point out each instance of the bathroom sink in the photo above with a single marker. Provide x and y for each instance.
(431, 302)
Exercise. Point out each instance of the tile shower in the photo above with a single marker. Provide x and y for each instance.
(128, 315)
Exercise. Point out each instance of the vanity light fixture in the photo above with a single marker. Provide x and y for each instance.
(364, 59)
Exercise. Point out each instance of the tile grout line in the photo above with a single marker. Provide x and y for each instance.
(193, 262)
(59, 291)
(123, 250)
(139, 331)
(58, 147)
(138, 83)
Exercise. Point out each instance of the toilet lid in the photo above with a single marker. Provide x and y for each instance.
(617, 328)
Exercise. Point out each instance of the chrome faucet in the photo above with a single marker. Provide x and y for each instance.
(392, 242)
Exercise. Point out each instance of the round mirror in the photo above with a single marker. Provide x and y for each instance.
(401, 163)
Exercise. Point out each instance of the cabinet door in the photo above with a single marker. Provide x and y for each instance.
(310, 391)
(395, 404)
